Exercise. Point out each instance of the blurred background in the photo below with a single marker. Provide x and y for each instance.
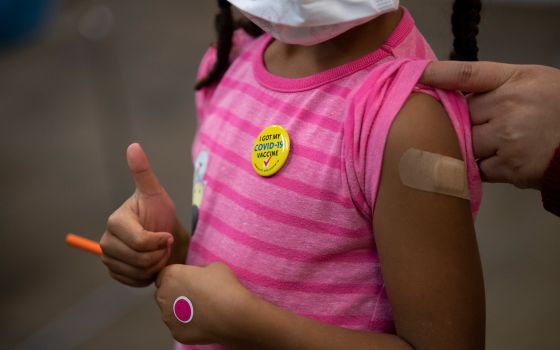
(81, 79)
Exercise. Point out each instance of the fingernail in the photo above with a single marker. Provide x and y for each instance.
(164, 242)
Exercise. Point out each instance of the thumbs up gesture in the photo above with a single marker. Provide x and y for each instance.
(143, 234)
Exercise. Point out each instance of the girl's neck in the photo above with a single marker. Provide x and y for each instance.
(296, 61)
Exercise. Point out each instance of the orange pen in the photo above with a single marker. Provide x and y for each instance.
(84, 244)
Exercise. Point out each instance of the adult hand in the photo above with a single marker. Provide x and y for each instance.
(515, 112)
(217, 297)
(138, 240)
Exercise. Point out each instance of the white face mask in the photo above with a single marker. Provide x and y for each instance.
(309, 22)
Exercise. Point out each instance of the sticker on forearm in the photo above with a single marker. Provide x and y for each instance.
(183, 309)
(434, 172)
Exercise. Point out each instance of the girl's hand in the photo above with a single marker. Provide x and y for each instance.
(219, 302)
(139, 238)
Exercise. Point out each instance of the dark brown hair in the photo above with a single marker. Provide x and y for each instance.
(225, 27)
(464, 25)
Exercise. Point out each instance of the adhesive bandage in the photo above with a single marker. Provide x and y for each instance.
(433, 172)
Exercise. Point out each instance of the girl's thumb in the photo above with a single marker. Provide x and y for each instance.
(145, 179)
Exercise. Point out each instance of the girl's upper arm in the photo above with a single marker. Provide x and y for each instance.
(426, 241)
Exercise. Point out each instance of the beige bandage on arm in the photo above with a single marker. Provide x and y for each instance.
(433, 172)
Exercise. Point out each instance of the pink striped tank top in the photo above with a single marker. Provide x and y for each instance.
(302, 239)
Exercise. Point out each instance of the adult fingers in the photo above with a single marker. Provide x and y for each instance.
(479, 109)
(485, 141)
(467, 76)
(494, 169)
(145, 179)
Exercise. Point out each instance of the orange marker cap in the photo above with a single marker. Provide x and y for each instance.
(84, 244)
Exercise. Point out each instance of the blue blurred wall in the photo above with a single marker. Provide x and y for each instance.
(21, 19)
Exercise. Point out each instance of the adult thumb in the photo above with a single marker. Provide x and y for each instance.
(145, 179)
(475, 77)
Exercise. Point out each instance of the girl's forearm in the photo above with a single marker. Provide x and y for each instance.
(268, 327)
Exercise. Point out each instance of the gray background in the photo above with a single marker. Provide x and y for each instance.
(70, 105)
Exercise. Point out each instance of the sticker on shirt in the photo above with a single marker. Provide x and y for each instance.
(270, 150)
(199, 184)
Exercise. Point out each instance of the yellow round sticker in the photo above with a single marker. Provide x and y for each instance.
(271, 150)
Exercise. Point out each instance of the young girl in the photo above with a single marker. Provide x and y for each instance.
(306, 236)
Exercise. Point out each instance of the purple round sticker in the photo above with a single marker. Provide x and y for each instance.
(183, 309)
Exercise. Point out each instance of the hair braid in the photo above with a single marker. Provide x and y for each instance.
(464, 24)
(225, 26)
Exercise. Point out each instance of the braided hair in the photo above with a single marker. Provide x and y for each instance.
(464, 24)
(225, 26)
